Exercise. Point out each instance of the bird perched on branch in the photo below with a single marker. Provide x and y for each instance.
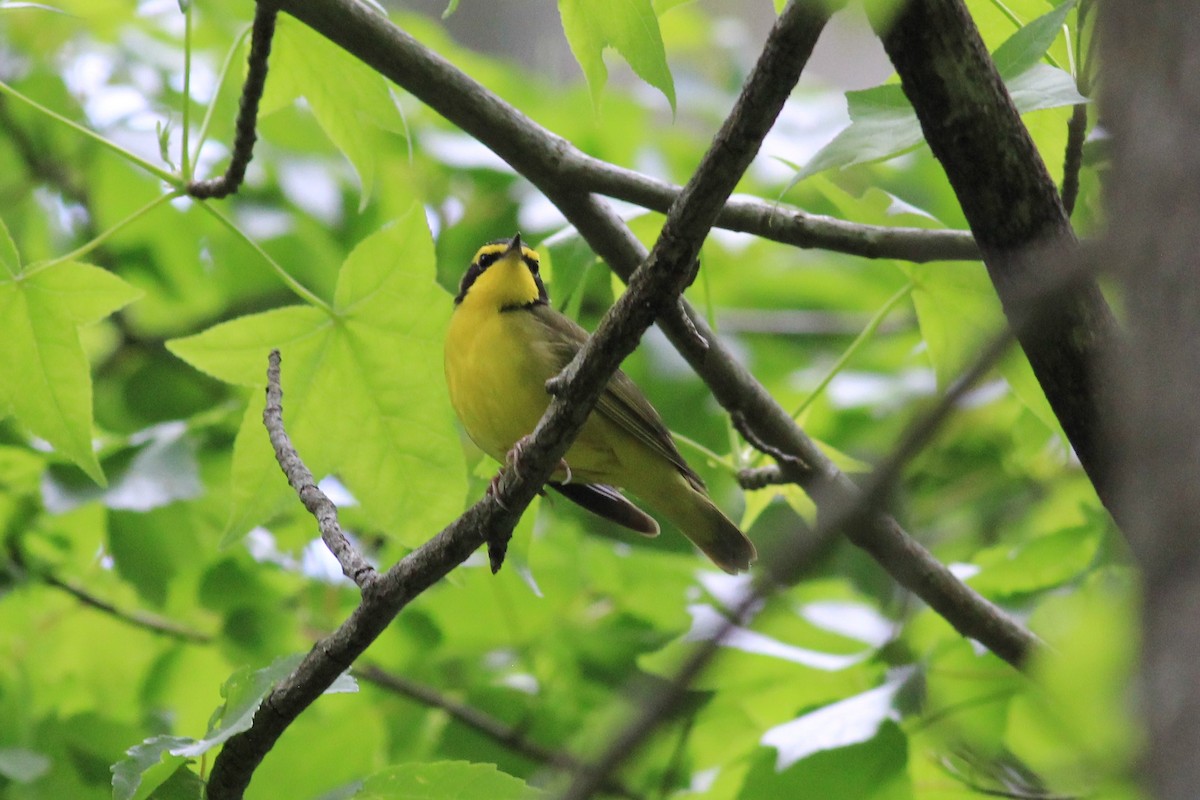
(505, 342)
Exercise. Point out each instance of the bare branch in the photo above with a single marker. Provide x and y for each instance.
(138, 619)
(1073, 158)
(775, 221)
(354, 565)
(557, 166)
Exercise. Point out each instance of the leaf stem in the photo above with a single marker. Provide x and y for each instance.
(296, 286)
(721, 461)
(168, 177)
(185, 162)
(855, 346)
(104, 235)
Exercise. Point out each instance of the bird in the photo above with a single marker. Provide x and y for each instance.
(504, 342)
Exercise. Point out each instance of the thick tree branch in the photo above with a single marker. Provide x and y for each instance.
(539, 155)
(655, 287)
(1013, 207)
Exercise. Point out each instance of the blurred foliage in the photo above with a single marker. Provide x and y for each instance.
(134, 471)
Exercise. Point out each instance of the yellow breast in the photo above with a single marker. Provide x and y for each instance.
(496, 382)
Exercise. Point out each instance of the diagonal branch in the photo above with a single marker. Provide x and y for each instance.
(540, 156)
(654, 288)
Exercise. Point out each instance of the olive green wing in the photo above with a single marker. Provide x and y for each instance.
(622, 401)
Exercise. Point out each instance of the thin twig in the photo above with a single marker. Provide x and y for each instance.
(509, 736)
(138, 619)
(354, 565)
(261, 35)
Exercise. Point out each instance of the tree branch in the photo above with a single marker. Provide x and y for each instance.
(774, 221)
(550, 161)
(655, 287)
(1013, 207)
(354, 565)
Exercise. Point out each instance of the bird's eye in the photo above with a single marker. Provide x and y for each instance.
(532, 263)
(487, 259)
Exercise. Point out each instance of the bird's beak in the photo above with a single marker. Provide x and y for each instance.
(514, 245)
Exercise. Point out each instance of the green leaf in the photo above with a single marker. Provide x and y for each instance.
(243, 693)
(957, 311)
(451, 7)
(444, 780)
(1027, 46)
(149, 765)
(628, 26)
(364, 393)
(351, 102)
(48, 383)
(1043, 86)
(883, 124)
(1043, 563)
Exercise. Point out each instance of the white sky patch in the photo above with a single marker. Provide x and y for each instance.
(850, 721)
(313, 187)
(707, 622)
(853, 620)
(460, 150)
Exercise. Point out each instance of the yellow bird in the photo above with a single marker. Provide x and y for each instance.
(505, 342)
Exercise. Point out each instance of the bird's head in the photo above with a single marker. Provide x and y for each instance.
(504, 275)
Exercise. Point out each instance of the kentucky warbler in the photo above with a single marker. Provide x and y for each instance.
(505, 342)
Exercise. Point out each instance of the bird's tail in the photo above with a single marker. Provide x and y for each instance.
(696, 516)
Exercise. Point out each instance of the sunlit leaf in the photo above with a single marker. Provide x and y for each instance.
(351, 102)
(48, 383)
(364, 395)
(628, 26)
(1027, 46)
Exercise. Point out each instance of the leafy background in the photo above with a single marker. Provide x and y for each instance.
(158, 576)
